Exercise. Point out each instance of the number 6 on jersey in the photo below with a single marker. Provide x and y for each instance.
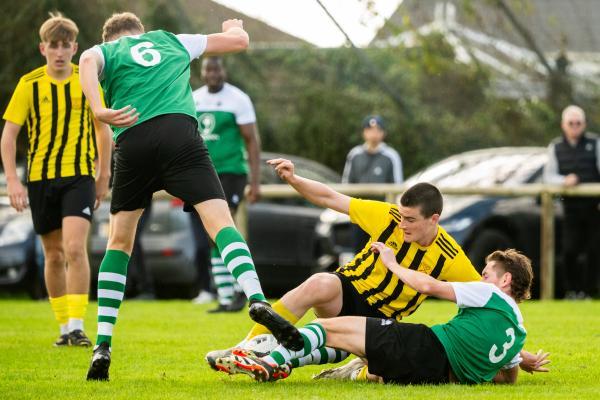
(141, 51)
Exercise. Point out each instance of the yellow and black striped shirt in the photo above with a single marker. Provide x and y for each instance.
(60, 128)
(443, 259)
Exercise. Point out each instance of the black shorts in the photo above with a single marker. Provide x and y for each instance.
(52, 200)
(234, 186)
(353, 304)
(405, 353)
(163, 153)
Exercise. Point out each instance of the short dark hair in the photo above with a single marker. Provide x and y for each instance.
(213, 59)
(520, 269)
(426, 196)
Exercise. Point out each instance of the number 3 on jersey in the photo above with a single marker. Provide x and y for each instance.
(510, 332)
(143, 54)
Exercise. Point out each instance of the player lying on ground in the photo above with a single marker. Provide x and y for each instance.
(480, 344)
(364, 287)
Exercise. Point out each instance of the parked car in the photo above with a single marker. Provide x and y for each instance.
(480, 224)
(281, 237)
(21, 260)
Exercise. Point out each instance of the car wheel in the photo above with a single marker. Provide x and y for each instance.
(486, 242)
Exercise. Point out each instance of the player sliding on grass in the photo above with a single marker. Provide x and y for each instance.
(364, 287)
(480, 344)
(146, 80)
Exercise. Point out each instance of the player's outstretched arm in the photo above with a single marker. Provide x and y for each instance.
(232, 40)
(89, 66)
(313, 191)
(419, 281)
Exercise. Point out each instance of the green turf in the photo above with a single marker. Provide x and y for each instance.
(159, 346)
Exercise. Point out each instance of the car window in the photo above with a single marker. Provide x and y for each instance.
(484, 168)
(166, 218)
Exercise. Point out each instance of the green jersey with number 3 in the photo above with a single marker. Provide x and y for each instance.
(150, 72)
(486, 335)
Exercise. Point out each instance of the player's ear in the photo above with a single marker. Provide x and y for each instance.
(75, 47)
(42, 47)
(506, 279)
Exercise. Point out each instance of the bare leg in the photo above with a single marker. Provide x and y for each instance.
(75, 234)
(54, 264)
(215, 215)
(122, 230)
(322, 291)
(346, 333)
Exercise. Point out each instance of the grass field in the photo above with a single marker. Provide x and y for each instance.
(159, 346)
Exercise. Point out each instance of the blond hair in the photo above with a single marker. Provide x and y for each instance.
(119, 23)
(58, 28)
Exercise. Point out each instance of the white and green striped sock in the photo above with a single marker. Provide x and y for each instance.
(314, 337)
(223, 278)
(237, 258)
(111, 287)
(322, 355)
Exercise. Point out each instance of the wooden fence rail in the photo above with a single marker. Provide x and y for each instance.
(547, 193)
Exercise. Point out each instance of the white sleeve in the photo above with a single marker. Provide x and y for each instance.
(472, 294)
(514, 362)
(195, 44)
(244, 113)
(551, 174)
(96, 49)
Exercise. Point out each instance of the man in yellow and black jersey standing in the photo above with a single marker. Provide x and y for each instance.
(364, 286)
(63, 142)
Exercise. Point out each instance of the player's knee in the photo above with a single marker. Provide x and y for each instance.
(75, 253)
(321, 287)
(122, 244)
(54, 256)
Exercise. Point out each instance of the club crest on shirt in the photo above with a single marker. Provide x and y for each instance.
(206, 126)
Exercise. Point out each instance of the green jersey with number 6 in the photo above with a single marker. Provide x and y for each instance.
(486, 335)
(150, 72)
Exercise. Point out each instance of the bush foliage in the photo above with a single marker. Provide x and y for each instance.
(311, 101)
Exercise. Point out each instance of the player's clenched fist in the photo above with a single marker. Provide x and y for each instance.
(283, 167)
(232, 23)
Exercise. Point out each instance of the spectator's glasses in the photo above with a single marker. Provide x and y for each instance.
(575, 123)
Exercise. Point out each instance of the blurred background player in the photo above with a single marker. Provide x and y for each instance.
(227, 123)
(61, 188)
